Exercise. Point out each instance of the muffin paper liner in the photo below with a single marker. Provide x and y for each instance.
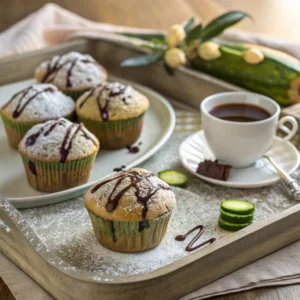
(15, 131)
(75, 94)
(129, 236)
(55, 176)
(115, 134)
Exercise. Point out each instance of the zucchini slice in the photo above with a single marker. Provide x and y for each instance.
(231, 226)
(236, 219)
(173, 177)
(239, 207)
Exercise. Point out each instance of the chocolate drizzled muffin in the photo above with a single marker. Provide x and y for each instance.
(36, 104)
(114, 113)
(73, 73)
(130, 210)
(58, 155)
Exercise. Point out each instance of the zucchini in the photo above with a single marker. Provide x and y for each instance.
(239, 207)
(173, 177)
(235, 218)
(275, 76)
(231, 226)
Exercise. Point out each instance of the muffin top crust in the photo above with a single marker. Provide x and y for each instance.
(111, 101)
(133, 195)
(71, 72)
(58, 141)
(38, 103)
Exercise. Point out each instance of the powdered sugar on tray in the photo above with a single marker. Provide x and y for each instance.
(66, 229)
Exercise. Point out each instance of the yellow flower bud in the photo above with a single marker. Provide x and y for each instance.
(253, 56)
(175, 57)
(175, 35)
(209, 51)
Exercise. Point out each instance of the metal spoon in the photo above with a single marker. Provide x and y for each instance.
(291, 184)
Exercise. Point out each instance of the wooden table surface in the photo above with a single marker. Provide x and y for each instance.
(272, 17)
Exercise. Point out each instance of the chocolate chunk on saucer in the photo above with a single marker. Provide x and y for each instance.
(214, 169)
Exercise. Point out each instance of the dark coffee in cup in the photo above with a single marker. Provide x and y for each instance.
(240, 112)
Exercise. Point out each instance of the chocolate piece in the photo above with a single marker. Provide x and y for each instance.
(32, 167)
(213, 169)
(133, 149)
(119, 169)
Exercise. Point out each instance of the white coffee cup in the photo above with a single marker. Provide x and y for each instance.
(240, 144)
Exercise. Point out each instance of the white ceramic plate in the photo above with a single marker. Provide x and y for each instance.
(195, 149)
(158, 126)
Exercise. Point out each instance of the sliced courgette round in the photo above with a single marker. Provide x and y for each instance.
(231, 226)
(239, 207)
(236, 219)
(173, 177)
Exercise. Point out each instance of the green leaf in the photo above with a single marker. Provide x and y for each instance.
(194, 34)
(188, 25)
(158, 41)
(146, 36)
(218, 25)
(143, 60)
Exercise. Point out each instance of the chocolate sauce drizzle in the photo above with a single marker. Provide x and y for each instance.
(190, 247)
(20, 108)
(135, 179)
(68, 138)
(53, 69)
(119, 169)
(114, 89)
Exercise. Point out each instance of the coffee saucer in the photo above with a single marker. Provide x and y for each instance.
(195, 149)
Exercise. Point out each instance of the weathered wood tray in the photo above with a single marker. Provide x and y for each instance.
(19, 242)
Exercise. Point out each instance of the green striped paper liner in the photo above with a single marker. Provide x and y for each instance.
(58, 166)
(127, 236)
(23, 127)
(75, 94)
(112, 124)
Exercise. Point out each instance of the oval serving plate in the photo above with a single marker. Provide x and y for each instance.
(159, 124)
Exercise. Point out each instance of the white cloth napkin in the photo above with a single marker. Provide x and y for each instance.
(52, 25)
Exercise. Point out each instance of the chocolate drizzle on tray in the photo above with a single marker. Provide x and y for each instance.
(54, 67)
(214, 169)
(20, 108)
(190, 247)
(68, 138)
(135, 180)
(113, 89)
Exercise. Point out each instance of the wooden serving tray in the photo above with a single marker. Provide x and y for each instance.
(19, 243)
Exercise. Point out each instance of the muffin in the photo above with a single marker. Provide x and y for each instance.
(58, 155)
(33, 105)
(72, 73)
(130, 210)
(114, 113)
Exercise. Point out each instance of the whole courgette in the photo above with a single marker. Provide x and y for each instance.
(277, 76)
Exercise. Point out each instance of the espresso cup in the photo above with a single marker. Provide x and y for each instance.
(240, 144)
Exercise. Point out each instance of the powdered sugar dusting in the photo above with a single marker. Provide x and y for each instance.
(51, 104)
(67, 231)
(120, 102)
(86, 72)
(157, 203)
(47, 146)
